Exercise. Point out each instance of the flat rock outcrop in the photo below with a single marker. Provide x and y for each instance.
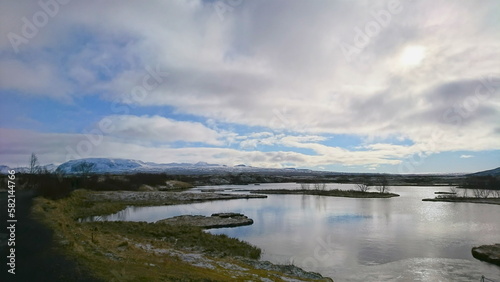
(217, 220)
(488, 253)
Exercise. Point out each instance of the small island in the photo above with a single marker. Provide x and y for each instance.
(331, 193)
(445, 193)
(217, 220)
(491, 201)
(488, 253)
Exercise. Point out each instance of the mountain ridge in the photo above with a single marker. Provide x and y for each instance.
(490, 172)
(114, 165)
(119, 165)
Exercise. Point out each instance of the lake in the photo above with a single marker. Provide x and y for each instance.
(348, 239)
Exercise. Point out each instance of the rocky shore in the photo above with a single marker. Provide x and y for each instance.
(217, 220)
(287, 269)
(488, 253)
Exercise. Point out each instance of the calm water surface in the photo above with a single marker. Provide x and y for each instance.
(396, 239)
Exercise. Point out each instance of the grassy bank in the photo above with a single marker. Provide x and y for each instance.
(139, 251)
(332, 193)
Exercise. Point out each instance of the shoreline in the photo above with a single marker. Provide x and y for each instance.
(330, 193)
(154, 251)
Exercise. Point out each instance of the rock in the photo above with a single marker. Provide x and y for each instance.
(488, 253)
(228, 214)
(286, 269)
(217, 220)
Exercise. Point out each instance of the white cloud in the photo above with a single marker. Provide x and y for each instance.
(58, 148)
(33, 78)
(159, 129)
(279, 67)
(466, 156)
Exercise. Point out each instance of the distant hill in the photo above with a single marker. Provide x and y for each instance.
(492, 172)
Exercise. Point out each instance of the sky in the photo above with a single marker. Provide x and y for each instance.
(351, 86)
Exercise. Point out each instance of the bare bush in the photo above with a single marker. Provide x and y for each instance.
(454, 191)
(319, 186)
(34, 166)
(496, 193)
(481, 193)
(382, 186)
(363, 187)
(305, 186)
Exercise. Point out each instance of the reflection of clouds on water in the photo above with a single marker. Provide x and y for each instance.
(349, 239)
(422, 269)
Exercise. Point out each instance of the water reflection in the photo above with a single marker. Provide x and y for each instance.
(397, 239)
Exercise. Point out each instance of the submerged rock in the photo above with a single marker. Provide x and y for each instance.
(488, 253)
(217, 220)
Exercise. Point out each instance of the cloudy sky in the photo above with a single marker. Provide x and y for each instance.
(355, 86)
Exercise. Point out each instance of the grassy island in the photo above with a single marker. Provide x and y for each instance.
(331, 193)
(492, 201)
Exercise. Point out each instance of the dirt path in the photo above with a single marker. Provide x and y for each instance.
(36, 257)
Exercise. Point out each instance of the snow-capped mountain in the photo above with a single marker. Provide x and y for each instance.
(4, 169)
(106, 165)
(101, 165)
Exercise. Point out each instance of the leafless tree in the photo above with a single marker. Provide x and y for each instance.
(320, 186)
(466, 190)
(382, 186)
(481, 193)
(454, 191)
(34, 166)
(305, 186)
(363, 187)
